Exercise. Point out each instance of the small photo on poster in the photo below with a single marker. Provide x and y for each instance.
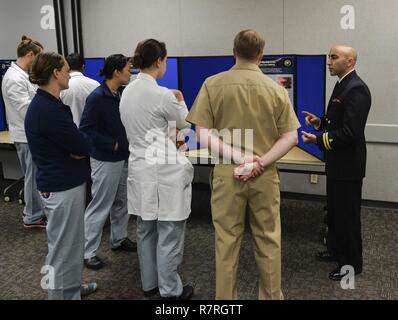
(285, 82)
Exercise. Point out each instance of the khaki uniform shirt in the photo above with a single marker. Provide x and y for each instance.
(245, 98)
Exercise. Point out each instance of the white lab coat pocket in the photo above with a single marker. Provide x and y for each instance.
(187, 191)
(175, 191)
(150, 199)
(188, 173)
(142, 194)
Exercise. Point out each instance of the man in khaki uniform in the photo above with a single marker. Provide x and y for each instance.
(245, 99)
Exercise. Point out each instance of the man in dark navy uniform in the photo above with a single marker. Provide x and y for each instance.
(343, 140)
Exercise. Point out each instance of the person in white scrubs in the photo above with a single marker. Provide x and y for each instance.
(80, 87)
(18, 93)
(159, 176)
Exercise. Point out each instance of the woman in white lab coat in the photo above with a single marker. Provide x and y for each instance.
(160, 176)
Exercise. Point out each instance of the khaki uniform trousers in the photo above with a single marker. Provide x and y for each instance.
(229, 202)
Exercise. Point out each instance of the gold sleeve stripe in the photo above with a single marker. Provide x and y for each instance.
(327, 141)
(324, 141)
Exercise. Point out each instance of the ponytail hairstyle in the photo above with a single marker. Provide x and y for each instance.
(112, 63)
(148, 52)
(27, 45)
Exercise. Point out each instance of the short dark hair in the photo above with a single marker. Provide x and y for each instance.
(43, 67)
(75, 61)
(147, 52)
(27, 45)
(112, 63)
(249, 44)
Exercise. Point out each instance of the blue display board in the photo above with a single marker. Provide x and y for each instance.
(3, 122)
(195, 70)
(303, 76)
(311, 77)
(170, 79)
(4, 65)
(93, 67)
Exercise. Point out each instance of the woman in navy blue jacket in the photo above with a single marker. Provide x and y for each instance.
(60, 153)
(108, 159)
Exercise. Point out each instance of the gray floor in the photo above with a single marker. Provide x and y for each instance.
(22, 254)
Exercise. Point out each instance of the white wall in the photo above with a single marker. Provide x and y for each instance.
(209, 27)
(116, 26)
(18, 17)
(189, 27)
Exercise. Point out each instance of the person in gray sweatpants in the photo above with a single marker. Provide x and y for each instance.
(33, 212)
(60, 152)
(109, 199)
(159, 268)
(101, 121)
(65, 215)
(160, 176)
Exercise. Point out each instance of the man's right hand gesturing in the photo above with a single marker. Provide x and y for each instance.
(311, 119)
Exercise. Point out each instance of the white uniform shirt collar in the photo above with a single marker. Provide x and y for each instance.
(75, 73)
(19, 69)
(345, 75)
(145, 76)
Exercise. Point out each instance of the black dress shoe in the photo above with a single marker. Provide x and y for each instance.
(325, 256)
(151, 293)
(126, 245)
(94, 263)
(187, 293)
(336, 274)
